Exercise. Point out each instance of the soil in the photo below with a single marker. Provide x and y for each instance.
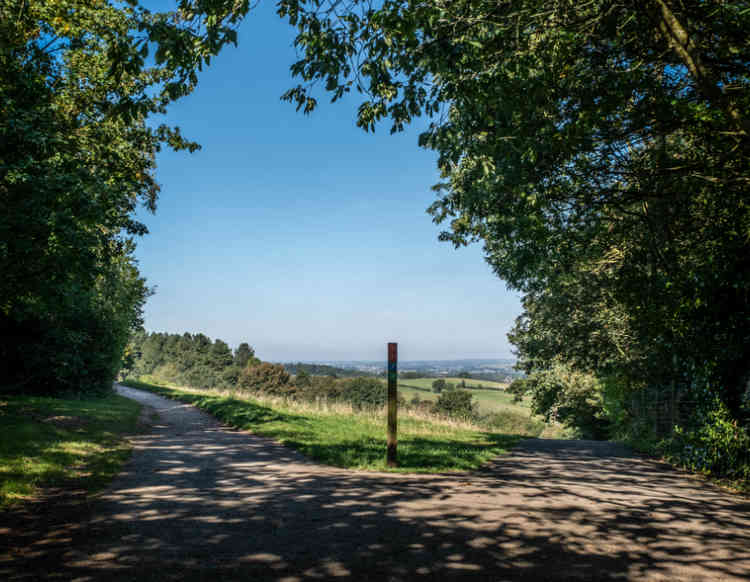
(200, 501)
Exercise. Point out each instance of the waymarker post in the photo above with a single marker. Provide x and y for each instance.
(392, 403)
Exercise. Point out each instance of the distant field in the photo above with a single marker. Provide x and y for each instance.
(491, 399)
(488, 400)
(426, 383)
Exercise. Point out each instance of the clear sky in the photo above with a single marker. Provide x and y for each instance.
(304, 235)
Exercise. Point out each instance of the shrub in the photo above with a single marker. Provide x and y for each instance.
(571, 397)
(302, 379)
(518, 388)
(715, 445)
(456, 404)
(265, 377)
(438, 385)
(326, 387)
(364, 392)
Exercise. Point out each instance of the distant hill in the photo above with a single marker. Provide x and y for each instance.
(326, 370)
(495, 370)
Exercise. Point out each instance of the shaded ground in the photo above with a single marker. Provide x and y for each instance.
(202, 502)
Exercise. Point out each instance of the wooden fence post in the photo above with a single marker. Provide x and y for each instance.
(391, 460)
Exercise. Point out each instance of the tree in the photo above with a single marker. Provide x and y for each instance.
(302, 379)
(599, 151)
(221, 355)
(570, 397)
(364, 392)
(243, 354)
(265, 377)
(78, 81)
(438, 385)
(456, 404)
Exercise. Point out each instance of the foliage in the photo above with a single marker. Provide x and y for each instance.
(302, 379)
(456, 404)
(266, 378)
(563, 394)
(343, 438)
(244, 355)
(438, 385)
(189, 359)
(717, 445)
(364, 393)
(599, 150)
(52, 442)
(78, 81)
(518, 388)
(325, 370)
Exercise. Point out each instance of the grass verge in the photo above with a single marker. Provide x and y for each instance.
(56, 442)
(340, 437)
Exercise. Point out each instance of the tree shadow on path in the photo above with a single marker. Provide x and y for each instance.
(201, 502)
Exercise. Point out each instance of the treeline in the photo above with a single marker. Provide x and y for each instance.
(78, 84)
(197, 361)
(325, 370)
(187, 359)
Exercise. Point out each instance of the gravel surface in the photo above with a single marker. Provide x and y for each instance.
(199, 501)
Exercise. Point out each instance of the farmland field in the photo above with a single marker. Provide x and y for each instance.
(489, 400)
(470, 383)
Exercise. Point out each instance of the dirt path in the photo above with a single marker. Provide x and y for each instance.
(202, 502)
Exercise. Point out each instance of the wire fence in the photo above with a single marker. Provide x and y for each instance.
(662, 410)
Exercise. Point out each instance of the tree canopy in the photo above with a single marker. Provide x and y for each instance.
(600, 152)
(78, 81)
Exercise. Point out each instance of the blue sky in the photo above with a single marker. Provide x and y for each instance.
(303, 235)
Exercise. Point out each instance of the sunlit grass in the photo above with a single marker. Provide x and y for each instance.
(426, 383)
(337, 435)
(51, 442)
(490, 399)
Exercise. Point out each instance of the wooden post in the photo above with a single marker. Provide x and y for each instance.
(392, 403)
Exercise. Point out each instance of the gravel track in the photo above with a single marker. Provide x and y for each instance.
(199, 501)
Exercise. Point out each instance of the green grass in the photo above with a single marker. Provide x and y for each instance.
(502, 412)
(55, 442)
(488, 400)
(337, 436)
(426, 383)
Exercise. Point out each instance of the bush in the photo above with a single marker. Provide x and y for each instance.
(518, 388)
(570, 397)
(715, 445)
(438, 385)
(364, 392)
(315, 387)
(265, 377)
(456, 404)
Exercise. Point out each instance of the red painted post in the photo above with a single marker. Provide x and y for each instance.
(392, 403)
